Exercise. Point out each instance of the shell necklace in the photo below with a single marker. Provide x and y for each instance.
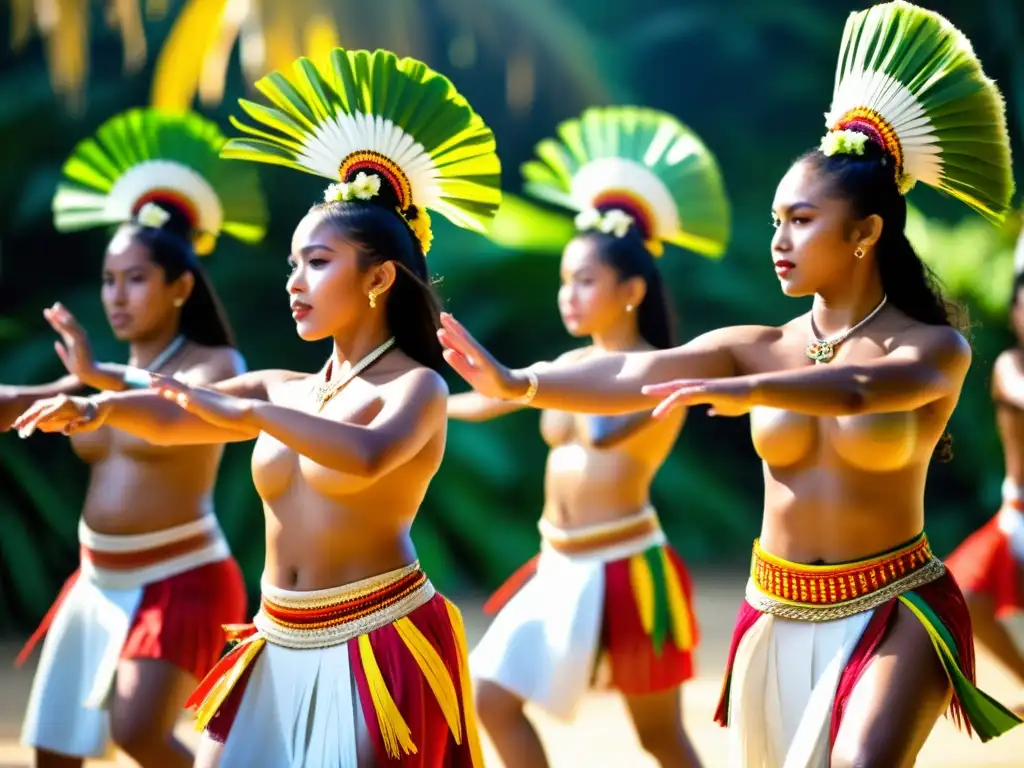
(823, 350)
(327, 389)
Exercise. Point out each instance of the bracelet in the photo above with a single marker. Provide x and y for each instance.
(137, 378)
(92, 411)
(531, 391)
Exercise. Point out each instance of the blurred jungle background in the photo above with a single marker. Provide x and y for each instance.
(752, 78)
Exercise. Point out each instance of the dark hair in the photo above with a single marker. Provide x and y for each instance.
(1018, 283)
(203, 319)
(381, 235)
(868, 183)
(629, 257)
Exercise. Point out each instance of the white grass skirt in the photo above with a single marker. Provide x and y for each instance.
(71, 690)
(300, 708)
(543, 644)
(784, 682)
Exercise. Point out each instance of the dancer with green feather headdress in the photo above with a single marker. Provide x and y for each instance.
(144, 612)
(353, 657)
(607, 589)
(853, 638)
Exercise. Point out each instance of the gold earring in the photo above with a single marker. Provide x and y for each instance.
(373, 298)
(859, 253)
(629, 307)
(179, 303)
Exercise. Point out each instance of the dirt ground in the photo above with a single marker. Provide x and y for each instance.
(602, 736)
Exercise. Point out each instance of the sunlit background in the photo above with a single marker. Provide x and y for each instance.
(753, 78)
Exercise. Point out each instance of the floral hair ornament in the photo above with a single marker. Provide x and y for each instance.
(363, 187)
(843, 143)
(612, 222)
(144, 163)
(363, 119)
(152, 215)
(910, 81)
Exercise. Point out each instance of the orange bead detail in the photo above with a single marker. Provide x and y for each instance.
(826, 585)
(377, 163)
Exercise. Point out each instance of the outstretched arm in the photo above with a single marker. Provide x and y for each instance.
(472, 406)
(400, 427)
(151, 416)
(410, 416)
(14, 400)
(929, 365)
(606, 384)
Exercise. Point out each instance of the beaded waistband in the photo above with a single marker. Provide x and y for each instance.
(333, 616)
(827, 592)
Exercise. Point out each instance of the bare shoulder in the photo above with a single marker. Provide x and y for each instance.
(734, 335)
(1008, 368)
(421, 384)
(208, 365)
(573, 355)
(942, 342)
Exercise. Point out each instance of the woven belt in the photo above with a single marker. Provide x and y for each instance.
(331, 617)
(593, 538)
(828, 592)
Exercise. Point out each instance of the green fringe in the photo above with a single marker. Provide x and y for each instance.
(987, 716)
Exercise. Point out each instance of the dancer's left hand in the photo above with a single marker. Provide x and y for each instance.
(726, 397)
(209, 405)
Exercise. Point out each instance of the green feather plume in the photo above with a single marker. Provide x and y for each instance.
(610, 154)
(363, 102)
(907, 71)
(146, 154)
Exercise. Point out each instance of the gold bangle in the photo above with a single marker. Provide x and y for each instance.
(531, 391)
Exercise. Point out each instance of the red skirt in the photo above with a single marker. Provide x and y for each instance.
(985, 563)
(649, 628)
(180, 619)
(411, 676)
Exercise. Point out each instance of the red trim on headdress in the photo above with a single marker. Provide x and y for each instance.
(629, 202)
(384, 167)
(871, 123)
(171, 198)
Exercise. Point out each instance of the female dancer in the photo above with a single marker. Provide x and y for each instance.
(353, 657)
(852, 636)
(140, 621)
(987, 565)
(606, 583)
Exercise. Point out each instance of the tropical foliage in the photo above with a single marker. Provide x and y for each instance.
(753, 79)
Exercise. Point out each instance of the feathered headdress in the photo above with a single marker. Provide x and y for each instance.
(909, 80)
(143, 162)
(621, 167)
(370, 118)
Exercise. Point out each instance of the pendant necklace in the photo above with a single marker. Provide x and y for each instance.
(823, 350)
(169, 351)
(327, 389)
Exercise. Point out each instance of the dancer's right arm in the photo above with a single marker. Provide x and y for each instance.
(14, 400)
(607, 384)
(150, 416)
(472, 406)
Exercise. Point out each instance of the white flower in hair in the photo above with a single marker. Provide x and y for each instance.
(589, 218)
(336, 193)
(843, 142)
(152, 215)
(365, 186)
(616, 222)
